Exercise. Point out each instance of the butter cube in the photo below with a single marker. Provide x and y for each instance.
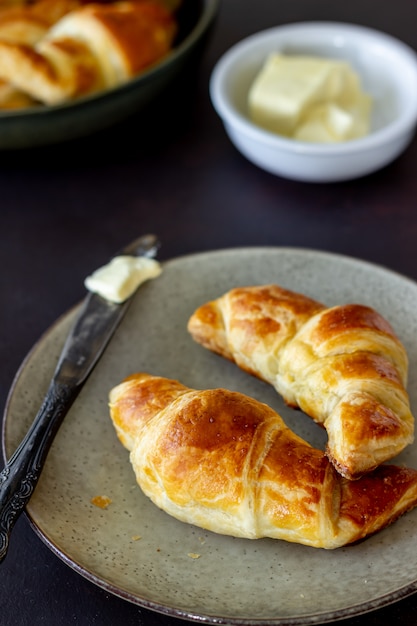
(325, 123)
(287, 86)
(309, 98)
(315, 130)
(331, 123)
(360, 109)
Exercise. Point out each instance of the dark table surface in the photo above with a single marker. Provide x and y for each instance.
(65, 209)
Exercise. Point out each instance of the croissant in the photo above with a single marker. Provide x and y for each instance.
(26, 24)
(93, 47)
(343, 366)
(12, 98)
(227, 463)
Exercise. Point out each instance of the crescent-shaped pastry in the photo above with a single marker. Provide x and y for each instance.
(25, 24)
(228, 463)
(28, 23)
(96, 46)
(343, 366)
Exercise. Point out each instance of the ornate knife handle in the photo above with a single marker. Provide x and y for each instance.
(21, 473)
(84, 345)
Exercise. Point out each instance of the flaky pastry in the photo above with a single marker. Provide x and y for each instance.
(93, 47)
(26, 24)
(228, 463)
(344, 366)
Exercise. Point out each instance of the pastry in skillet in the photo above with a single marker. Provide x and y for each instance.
(93, 47)
(343, 366)
(12, 98)
(228, 463)
(26, 24)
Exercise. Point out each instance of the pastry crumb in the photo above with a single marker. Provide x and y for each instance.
(136, 537)
(102, 502)
(193, 555)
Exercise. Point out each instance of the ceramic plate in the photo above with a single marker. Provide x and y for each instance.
(138, 552)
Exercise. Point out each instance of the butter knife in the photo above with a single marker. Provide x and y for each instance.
(86, 342)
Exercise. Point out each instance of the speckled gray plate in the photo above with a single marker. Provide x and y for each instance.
(232, 581)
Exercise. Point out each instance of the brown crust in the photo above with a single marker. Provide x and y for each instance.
(344, 366)
(28, 23)
(142, 32)
(228, 463)
(57, 50)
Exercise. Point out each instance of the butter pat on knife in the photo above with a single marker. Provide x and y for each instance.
(120, 278)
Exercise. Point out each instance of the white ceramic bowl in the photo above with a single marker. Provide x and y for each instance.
(387, 67)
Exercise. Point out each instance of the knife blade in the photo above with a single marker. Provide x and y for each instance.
(89, 336)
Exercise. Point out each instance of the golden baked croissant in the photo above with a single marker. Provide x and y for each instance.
(228, 463)
(26, 24)
(91, 48)
(343, 366)
(12, 98)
